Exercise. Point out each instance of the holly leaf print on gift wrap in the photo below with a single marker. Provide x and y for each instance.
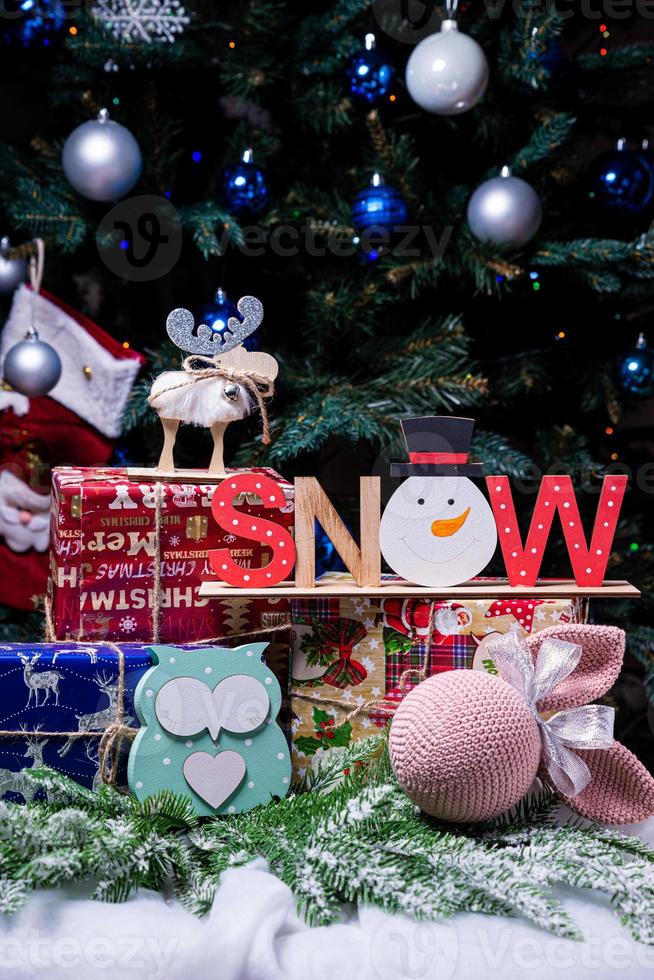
(328, 735)
(210, 729)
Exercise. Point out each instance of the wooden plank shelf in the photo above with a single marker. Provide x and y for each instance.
(482, 589)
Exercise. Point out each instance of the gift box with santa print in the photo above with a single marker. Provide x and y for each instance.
(354, 659)
(77, 422)
(128, 558)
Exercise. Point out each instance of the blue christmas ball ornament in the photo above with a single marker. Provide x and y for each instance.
(34, 22)
(379, 206)
(217, 313)
(636, 370)
(621, 182)
(245, 187)
(370, 74)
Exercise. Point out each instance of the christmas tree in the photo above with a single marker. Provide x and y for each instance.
(285, 156)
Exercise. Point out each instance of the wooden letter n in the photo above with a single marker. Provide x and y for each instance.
(311, 503)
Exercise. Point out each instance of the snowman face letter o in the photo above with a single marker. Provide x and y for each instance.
(438, 531)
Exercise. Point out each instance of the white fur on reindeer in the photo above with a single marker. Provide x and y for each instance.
(202, 403)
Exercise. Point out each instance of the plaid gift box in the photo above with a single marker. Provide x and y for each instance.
(358, 657)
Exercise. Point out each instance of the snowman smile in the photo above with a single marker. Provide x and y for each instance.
(431, 560)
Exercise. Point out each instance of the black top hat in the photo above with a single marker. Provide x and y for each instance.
(438, 445)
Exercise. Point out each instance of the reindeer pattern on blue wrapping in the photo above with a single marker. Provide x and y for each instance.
(61, 688)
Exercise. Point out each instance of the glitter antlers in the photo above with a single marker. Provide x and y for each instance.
(182, 331)
(219, 383)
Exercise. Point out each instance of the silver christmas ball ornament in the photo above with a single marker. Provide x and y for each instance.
(12, 271)
(101, 159)
(505, 211)
(32, 367)
(447, 72)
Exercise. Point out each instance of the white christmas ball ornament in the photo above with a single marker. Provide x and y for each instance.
(101, 159)
(12, 271)
(505, 211)
(447, 72)
(438, 531)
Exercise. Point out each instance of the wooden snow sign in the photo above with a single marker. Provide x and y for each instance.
(438, 531)
(209, 729)
(219, 383)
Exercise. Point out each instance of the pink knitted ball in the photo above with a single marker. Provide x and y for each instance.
(464, 746)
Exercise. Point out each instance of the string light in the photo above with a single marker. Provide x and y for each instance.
(232, 45)
(603, 52)
(634, 546)
(392, 98)
(560, 335)
(609, 430)
(72, 30)
(196, 156)
(614, 456)
(126, 344)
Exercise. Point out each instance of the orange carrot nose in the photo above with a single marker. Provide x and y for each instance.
(444, 529)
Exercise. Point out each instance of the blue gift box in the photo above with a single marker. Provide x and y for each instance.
(65, 689)
(58, 688)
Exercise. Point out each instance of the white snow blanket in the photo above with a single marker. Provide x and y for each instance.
(253, 933)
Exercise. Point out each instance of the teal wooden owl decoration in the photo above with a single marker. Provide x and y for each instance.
(209, 729)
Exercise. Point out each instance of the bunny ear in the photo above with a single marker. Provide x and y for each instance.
(601, 660)
(621, 789)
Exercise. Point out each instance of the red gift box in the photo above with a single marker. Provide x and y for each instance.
(120, 547)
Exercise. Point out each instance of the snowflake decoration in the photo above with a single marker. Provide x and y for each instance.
(127, 624)
(174, 541)
(142, 20)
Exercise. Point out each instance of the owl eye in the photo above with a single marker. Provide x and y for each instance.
(450, 501)
(421, 500)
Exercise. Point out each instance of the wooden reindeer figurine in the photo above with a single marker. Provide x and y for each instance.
(219, 383)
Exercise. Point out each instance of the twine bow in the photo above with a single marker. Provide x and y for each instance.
(259, 386)
(586, 727)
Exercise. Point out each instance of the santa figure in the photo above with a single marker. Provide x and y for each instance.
(452, 619)
(77, 424)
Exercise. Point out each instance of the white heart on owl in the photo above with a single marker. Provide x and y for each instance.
(214, 777)
(185, 706)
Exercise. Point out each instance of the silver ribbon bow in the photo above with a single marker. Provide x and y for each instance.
(588, 727)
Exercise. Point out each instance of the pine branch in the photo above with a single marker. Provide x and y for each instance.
(347, 834)
(555, 129)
